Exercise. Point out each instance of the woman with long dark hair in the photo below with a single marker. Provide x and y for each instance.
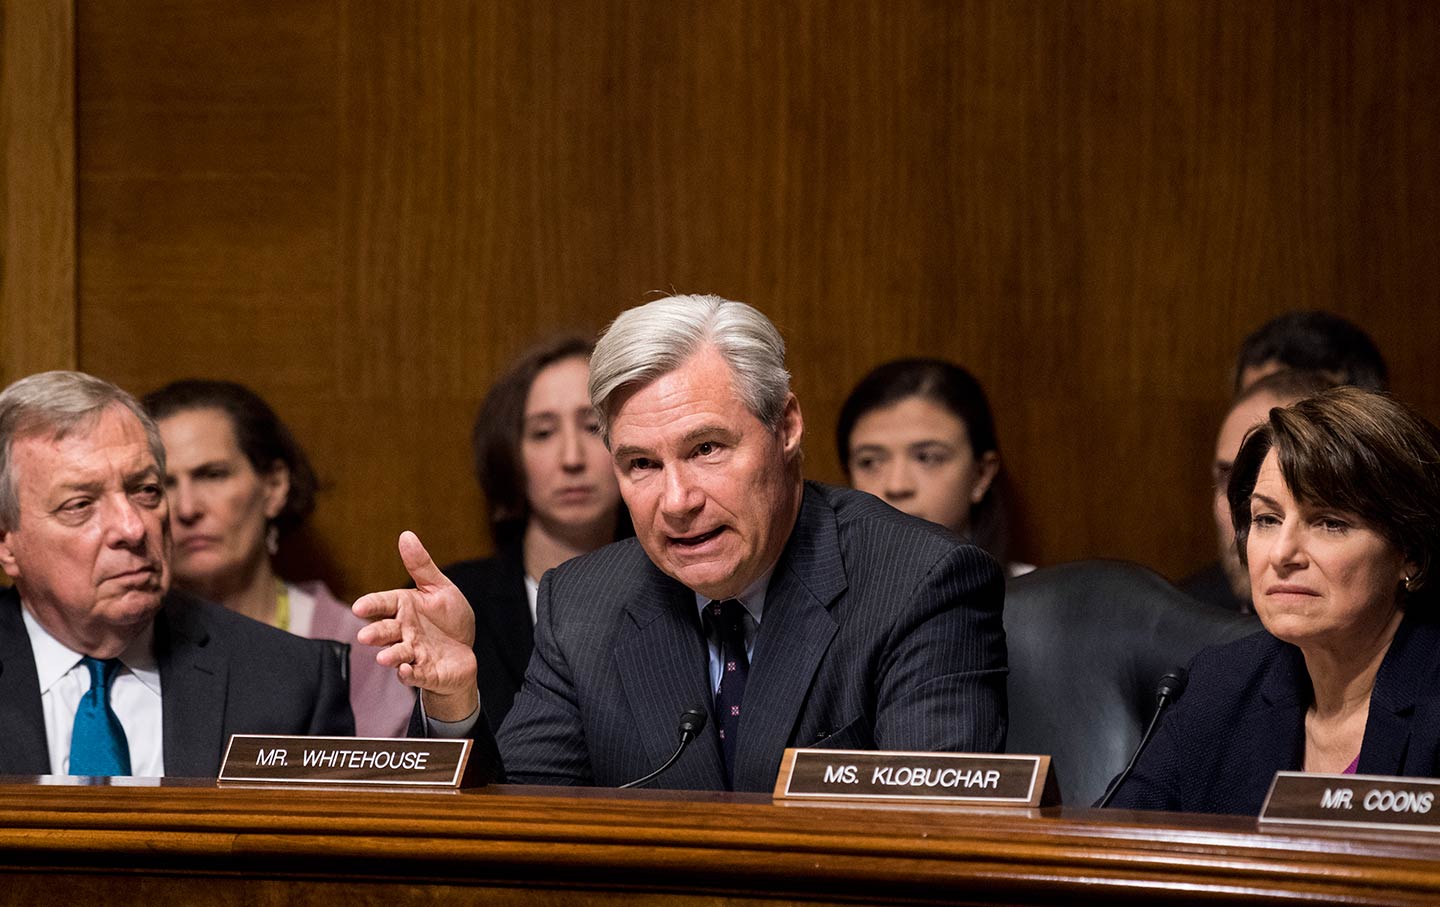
(918, 434)
(550, 495)
(239, 484)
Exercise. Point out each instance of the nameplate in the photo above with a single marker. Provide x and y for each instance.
(382, 761)
(960, 778)
(1352, 801)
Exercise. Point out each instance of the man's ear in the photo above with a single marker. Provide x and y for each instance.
(7, 554)
(792, 428)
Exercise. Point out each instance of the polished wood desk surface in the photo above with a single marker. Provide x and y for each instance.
(183, 842)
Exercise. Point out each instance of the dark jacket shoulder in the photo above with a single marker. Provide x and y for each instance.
(868, 523)
(197, 621)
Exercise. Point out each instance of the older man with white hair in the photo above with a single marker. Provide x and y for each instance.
(102, 670)
(793, 613)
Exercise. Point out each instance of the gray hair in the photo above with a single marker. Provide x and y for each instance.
(57, 404)
(654, 339)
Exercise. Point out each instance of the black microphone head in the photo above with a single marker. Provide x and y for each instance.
(1172, 684)
(693, 722)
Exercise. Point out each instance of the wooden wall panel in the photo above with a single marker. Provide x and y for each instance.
(37, 192)
(366, 210)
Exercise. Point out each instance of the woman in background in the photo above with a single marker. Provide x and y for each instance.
(918, 434)
(1335, 502)
(238, 484)
(551, 495)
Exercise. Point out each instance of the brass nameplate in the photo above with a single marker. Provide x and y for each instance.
(1352, 801)
(976, 779)
(389, 762)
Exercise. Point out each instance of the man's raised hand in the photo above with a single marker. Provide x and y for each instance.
(426, 634)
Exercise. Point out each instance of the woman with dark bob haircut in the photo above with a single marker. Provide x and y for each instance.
(1336, 506)
(238, 484)
(550, 493)
(918, 434)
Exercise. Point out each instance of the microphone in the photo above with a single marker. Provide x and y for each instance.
(1167, 691)
(1170, 687)
(692, 722)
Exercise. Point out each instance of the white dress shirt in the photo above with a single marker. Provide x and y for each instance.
(532, 593)
(134, 695)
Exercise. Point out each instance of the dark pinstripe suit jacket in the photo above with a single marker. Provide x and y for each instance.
(220, 674)
(880, 631)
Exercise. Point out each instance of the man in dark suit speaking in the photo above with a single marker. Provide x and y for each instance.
(795, 614)
(102, 672)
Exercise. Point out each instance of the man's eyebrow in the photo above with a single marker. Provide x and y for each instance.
(691, 437)
(714, 430)
(628, 451)
(150, 471)
(88, 487)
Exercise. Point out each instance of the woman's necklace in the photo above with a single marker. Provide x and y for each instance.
(282, 606)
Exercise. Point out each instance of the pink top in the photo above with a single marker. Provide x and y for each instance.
(1350, 769)
(381, 703)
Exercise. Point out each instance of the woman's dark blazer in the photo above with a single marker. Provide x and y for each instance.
(504, 632)
(1242, 719)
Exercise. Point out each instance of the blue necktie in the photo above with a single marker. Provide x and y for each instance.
(97, 744)
(727, 619)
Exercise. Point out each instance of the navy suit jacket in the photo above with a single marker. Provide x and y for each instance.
(220, 674)
(879, 631)
(1242, 719)
(504, 633)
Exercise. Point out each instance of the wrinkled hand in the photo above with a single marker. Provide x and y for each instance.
(426, 634)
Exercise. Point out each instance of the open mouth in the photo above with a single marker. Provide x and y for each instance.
(695, 541)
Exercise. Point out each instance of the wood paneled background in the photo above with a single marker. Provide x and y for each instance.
(366, 209)
(37, 187)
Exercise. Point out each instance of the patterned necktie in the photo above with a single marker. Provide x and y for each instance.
(727, 618)
(97, 744)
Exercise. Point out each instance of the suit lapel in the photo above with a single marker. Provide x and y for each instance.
(23, 746)
(193, 681)
(795, 631)
(1286, 694)
(662, 666)
(1408, 666)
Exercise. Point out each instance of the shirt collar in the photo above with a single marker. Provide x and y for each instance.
(753, 598)
(54, 659)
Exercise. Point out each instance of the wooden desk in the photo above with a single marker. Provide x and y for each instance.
(188, 843)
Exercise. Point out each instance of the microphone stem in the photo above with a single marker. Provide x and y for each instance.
(1144, 741)
(684, 742)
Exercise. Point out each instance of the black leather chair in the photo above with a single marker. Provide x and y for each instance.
(1088, 642)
